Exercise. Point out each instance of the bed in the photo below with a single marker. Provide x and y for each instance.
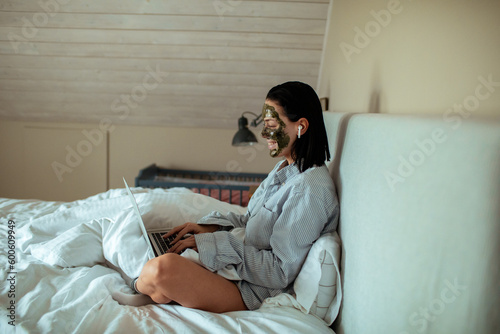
(66, 268)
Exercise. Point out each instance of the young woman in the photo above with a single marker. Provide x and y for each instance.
(289, 211)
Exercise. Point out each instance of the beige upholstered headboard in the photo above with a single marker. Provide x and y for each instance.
(419, 223)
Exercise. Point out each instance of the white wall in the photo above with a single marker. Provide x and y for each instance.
(66, 162)
(412, 56)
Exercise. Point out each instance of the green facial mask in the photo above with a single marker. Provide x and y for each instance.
(277, 134)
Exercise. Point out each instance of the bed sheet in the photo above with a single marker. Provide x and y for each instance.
(38, 297)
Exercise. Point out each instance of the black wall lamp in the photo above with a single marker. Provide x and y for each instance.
(244, 136)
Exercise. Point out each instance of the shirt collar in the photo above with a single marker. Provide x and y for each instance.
(285, 173)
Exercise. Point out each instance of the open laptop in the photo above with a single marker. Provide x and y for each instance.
(157, 244)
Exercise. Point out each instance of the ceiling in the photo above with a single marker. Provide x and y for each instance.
(194, 63)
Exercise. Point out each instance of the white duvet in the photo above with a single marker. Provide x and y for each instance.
(63, 279)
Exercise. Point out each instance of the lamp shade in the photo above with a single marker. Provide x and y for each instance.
(244, 136)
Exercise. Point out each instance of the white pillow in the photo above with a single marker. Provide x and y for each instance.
(317, 286)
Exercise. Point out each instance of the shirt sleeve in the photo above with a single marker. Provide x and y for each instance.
(297, 226)
(229, 220)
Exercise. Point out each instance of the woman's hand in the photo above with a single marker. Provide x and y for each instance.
(179, 246)
(180, 243)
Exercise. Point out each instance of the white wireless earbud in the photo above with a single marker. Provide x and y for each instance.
(300, 128)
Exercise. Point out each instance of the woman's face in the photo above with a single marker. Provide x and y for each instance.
(276, 130)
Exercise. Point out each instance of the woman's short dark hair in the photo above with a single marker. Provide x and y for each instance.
(299, 100)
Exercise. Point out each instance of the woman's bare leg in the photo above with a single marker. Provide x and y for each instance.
(171, 277)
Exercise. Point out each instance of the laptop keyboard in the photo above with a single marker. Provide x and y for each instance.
(163, 243)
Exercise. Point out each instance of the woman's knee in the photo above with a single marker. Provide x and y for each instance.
(162, 267)
(158, 276)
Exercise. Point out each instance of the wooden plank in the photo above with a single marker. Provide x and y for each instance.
(107, 92)
(165, 120)
(181, 86)
(83, 114)
(170, 87)
(98, 111)
(67, 99)
(292, 9)
(205, 38)
(165, 22)
(274, 67)
(131, 78)
(165, 52)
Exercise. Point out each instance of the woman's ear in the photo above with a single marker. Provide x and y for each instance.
(302, 126)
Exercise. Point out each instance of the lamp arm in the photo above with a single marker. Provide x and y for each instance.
(256, 121)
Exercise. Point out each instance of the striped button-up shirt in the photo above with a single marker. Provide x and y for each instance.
(286, 214)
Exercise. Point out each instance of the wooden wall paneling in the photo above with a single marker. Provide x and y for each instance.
(273, 66)
(165, 37)
(125, 81)
(72, 61)
(169, 22)
(165, 51)
(61, 100)
(301, 9)
(60, 91)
